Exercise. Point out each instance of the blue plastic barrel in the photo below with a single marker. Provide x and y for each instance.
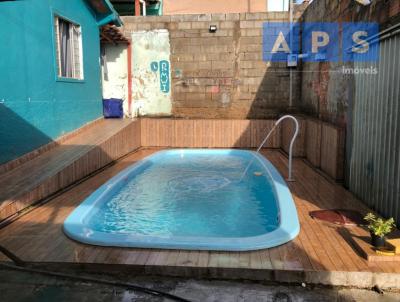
(112, 108)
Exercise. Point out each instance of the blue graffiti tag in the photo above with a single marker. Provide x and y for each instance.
(154, 66)
(164, 76)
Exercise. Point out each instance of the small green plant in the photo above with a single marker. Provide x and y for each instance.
(379, 226)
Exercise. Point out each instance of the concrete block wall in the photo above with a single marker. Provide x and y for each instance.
(222, 74)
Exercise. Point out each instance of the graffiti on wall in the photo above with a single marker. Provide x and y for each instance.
(164, 70)
(164, 76)
(151, 91)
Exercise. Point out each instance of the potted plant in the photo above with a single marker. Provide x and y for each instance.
(379, 228)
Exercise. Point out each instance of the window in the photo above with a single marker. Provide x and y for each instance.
(68, 49)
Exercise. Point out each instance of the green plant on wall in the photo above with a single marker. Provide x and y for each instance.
(379, 226)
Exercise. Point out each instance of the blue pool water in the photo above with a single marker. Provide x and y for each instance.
(188, 199)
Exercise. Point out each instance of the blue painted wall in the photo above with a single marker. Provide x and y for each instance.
(35, 107)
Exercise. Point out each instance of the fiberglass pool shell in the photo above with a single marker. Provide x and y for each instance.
(191, 199)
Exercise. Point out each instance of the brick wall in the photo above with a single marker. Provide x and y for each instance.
(222, 74)
(326, 94)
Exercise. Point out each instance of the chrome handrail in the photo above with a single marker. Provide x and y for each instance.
(296, 132)
(290, 146)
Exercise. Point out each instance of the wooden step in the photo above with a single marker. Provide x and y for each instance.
(66, 163)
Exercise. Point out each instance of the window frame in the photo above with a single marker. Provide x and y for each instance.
(56, 46)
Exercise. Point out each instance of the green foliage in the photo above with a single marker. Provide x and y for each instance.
(379, 226)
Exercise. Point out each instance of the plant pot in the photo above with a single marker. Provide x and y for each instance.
(377, 241)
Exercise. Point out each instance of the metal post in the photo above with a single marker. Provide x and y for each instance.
(296, 132)
(291, 48)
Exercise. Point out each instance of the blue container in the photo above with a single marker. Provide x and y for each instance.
(112, 108)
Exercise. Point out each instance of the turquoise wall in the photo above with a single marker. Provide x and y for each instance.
(35, 107)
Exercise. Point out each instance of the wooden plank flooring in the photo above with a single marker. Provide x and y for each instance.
(319, 247)
(73, 159)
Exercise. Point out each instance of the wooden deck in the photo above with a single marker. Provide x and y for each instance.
(72, 159)
(322, 253)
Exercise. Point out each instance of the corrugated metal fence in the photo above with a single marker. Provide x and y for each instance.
(374, 153)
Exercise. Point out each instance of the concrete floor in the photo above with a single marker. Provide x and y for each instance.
(21, 286)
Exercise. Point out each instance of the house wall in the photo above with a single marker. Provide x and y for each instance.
(35, 107)
(175, 7)
(222, 74)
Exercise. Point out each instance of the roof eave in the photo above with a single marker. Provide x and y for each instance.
(105, 17)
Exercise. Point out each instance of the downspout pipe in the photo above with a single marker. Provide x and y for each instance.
(291, 7)
(130, 79)
(143, 7)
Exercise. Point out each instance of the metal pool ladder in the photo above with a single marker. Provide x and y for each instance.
(290, 146)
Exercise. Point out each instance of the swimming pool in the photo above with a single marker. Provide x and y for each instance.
(230, 200)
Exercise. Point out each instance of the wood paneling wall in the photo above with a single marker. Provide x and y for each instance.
(181, 133)
(332, 150)
(315, 140)
(324, 147)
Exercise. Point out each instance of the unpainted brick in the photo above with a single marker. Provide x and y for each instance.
(205, 65)
(204, 17)
(143, 26)
(218, 17)
(219, 33)
(184, 25)
(201, 25)
(252, 32)
(251, 56)
(227, 24)
(222, 65)
(259, 16)
(185, 57)
(195, 96)
(250, 40)
(246, 24)
(250, 48)
(232, 17)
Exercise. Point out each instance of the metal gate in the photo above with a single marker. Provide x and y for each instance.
(374, 140)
